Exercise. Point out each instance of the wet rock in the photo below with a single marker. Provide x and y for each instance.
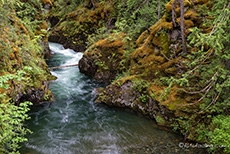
(127, 96)
(58, 37)
(174, 35)
(87, 66)
(103, 59)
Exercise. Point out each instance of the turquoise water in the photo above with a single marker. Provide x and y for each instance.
(74, 124)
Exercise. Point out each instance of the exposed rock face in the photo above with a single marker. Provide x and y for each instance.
(35, 95)
(67, 43)
(127, 96)
(87, 66)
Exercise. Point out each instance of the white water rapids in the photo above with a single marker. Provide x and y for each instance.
(74, 124)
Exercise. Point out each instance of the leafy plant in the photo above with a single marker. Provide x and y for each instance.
(220, 136)
(143, 98)
(12, 130)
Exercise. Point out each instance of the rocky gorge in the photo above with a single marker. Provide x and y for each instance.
(172, 74)
(158, 54)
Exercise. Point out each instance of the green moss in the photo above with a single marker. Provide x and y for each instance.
(160, 120)
(51, 77)
(164, 43)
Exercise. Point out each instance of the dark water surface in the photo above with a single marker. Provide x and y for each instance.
(74, 124)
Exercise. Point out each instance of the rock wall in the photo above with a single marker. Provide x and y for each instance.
(72, 29)
(24, 72)
(158, 55)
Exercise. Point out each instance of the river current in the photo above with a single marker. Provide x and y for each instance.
(74, 124)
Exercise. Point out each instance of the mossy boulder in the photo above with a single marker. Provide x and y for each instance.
(104, 59)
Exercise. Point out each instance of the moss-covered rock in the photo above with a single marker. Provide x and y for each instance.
(73, 29)
(105, 59)
(158, 55)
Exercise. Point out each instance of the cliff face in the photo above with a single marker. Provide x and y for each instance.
(72, 29)
(158, 55)
(24, 45)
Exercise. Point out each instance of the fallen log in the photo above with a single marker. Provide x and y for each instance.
(63, 66)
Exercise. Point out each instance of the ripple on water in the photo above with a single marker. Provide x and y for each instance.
(74, 124)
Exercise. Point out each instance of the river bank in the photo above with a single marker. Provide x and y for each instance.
(74, 123)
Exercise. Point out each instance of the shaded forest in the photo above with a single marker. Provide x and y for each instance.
(169, 60)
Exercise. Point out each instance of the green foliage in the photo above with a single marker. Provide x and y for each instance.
(143, 98)
(141, 85)
(102, 64)
(207, 75)
(220, 137)
(22, 66)
(119, 76)
(12, 130)
(63, 7)
(131, 17)
(5, 79)
(99, 34)
(29, 47)
(215, 74)
(135, 16)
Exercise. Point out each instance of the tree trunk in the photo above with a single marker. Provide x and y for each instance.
(147, 20)
(159, 9)
(173, 13)
(182, 24)
(91, 3)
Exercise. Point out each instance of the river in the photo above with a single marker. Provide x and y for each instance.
(74, 124)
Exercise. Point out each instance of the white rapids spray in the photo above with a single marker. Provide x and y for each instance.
(74, 124)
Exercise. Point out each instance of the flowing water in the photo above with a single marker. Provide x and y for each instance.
(74, 124)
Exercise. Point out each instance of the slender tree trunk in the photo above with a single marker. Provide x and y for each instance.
(159, 9)
(182, 25)
(91, 3)
(173, 13)
(147, 20)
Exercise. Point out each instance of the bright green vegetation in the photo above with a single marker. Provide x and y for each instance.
(133, 44)
(12, 117)
(207, 77)
(23, 71)
(130, 17)
(220, 135)
(12, 129)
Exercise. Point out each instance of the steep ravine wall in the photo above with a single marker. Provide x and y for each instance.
(72, 29)
(158, 54)
(24, 72)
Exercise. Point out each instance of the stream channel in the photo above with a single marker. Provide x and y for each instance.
(74, 124)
